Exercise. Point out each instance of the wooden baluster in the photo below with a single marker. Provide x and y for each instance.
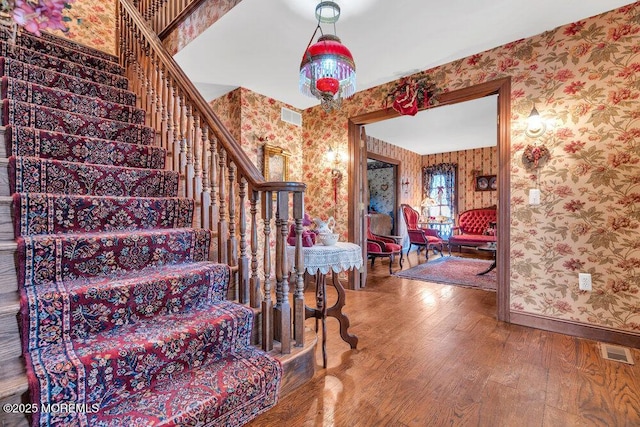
(197, 152)
(182, 168)
(172, 9)
(157, 92)
(214, 212)
(232, 241)
(255, 293)
(267, 302)
(206, 185)
(164, 100)
(298, 294)
(150, 74)
(181, 149)
(138, 87)
(176, 129)
(223, 225)
(147, 66)
(170, 129)
(282, 309)
(189, 173)
(243, 261)
(154, 16)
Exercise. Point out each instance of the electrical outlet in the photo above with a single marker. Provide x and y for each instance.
(584, 281)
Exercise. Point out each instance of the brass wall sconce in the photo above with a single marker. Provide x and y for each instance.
(335, 158)
(405, 185)
(535, 126)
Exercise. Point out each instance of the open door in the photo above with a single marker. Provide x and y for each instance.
(358, 194)
(364, 202)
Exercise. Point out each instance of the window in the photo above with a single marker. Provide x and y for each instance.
(440, 200)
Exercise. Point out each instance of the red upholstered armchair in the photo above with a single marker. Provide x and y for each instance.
(382, 247)
(421, 237)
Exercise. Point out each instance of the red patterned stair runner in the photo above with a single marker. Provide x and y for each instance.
(122, 315)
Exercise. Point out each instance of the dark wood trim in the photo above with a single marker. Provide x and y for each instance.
(381, 158)
(355, 209)
(500, 87)
(568, 327)
(503, 88)
(184, 14)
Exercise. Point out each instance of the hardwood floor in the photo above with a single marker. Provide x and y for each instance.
(434, 355)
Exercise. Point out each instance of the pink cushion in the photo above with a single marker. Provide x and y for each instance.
(471, 239)
(393, 247)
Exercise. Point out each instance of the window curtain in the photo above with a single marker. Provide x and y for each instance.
(439, 185)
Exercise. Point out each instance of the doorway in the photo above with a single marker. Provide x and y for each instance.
(382, 190)
(501, 88)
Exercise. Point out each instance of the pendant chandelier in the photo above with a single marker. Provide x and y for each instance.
(327, 70)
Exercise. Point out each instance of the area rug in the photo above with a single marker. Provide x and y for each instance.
(454, 271)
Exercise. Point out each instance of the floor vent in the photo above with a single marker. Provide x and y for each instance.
(617, 353)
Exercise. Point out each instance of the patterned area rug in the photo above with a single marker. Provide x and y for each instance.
(453, 270)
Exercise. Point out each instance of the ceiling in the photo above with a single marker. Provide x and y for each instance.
(258, 45)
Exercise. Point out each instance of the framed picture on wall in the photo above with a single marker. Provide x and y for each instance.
(486, 183)
(276, 163)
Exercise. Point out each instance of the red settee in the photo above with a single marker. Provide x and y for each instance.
(476, 227)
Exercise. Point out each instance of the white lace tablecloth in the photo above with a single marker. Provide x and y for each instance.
(339, 257)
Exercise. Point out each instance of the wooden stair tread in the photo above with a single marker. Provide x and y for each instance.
(17, 384)
(8, 246)
(10, 305)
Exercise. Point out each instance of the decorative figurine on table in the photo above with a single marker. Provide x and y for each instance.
(325, 231)
(323, 227)
(308, 236)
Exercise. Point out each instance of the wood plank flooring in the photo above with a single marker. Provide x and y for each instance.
(435, 355)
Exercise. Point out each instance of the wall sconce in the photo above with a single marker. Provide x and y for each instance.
(335, 158)
(535, 125)
(405, 185)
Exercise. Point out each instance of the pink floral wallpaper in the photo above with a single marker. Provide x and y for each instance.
(481, 161)
(583, 78)
(201, 19)
(92, 24)
(254, 120)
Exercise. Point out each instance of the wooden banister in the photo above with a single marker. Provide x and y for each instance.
(219, 177)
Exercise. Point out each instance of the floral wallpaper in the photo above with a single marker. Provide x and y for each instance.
(480, 161)
(410, 168)
(254, 120)
(92, 24)
(583, 78)
(202, 18)
(381, 190)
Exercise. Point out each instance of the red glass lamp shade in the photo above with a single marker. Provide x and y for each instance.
(327, 69)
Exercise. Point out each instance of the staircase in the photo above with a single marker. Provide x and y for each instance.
(124, 321)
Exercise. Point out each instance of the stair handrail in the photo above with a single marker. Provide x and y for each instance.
(246, 166)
